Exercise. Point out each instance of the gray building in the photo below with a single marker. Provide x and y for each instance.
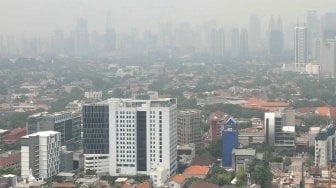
(67, 123)
(189, 129)
(241, 157)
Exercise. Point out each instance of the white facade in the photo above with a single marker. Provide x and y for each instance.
(301, 47)
(313, 131)
(328, 58)
(41, 152)
(97, 162)
(159, 176)
(325, 147)
(152, 122)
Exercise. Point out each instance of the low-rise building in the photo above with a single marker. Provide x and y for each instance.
(241, 157)
(196, 171)
(10, 159)
(14, 135)
(177, 181)
(251, 135)
(186, 153)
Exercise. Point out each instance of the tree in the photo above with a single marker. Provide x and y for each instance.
(215, 148)
(261, 173)
(241, 177)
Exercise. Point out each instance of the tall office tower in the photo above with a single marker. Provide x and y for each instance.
(329, 26)
(58, 43)
(96, 137)
(325, 142)
(235, 42)
(314, 30)
(229, 141)
(110, 34)
(189, 128)
(41, 154)
(132, 136)
(67, 123)
(301, 47)
(328, 58)
(244, 43)
(254, 33)
(82, 38)
(276, 41)
(217, 42)
(280, 130)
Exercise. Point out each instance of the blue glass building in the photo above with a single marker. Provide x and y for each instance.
(229, 141)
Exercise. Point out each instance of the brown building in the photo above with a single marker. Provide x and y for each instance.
(10, 160)
(189, 128)
(14, 135)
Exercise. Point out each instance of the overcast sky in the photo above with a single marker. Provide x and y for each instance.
(42, 17)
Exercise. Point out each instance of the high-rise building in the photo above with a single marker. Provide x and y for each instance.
(229, 141)
(110, 34)
(189, 128)
(82, 38)
(301, 47)
(235, 42)
(41, 154)
(314, 30)
(133, 136)
(217, 42)
(67, 123)
(217, 121)
(328, 58)
(244, 43)
(96, 137)
(276, 39)
(329, 26)
(254, 31)
(280, 130)
(325, 147)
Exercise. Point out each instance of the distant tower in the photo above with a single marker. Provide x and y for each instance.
(276, 42)
(217, 42)
(235, 42)
(254, 33)
(314, 32)
(110, 34)
(82, 38)
(243, 43)
(301, 47)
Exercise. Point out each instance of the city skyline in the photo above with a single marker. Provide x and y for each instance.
(44, 17)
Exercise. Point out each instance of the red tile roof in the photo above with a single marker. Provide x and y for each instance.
(179, 178)
(326, 111)
(145, 184)
(196, 170)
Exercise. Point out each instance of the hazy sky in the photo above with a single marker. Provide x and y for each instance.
(42, 17)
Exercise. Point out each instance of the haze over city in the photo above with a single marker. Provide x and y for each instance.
(42, 17)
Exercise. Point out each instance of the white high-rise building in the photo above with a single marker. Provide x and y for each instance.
(301, 47)
(41, 154)
(141, 136)
(325, 146)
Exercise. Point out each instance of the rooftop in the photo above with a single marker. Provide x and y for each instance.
(196, 170)
(41, 133)
(179, 178)
(246, 152)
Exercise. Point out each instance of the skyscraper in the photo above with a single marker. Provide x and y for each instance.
(217, 42)
(41, 154)
(276, 42)
(189, 129)
(132, 136)
(254, 32)
(328, 58)
(82, 38)
(314, 30)
(244, 43)
(235, 42)
(301, 47)
(110, 34)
